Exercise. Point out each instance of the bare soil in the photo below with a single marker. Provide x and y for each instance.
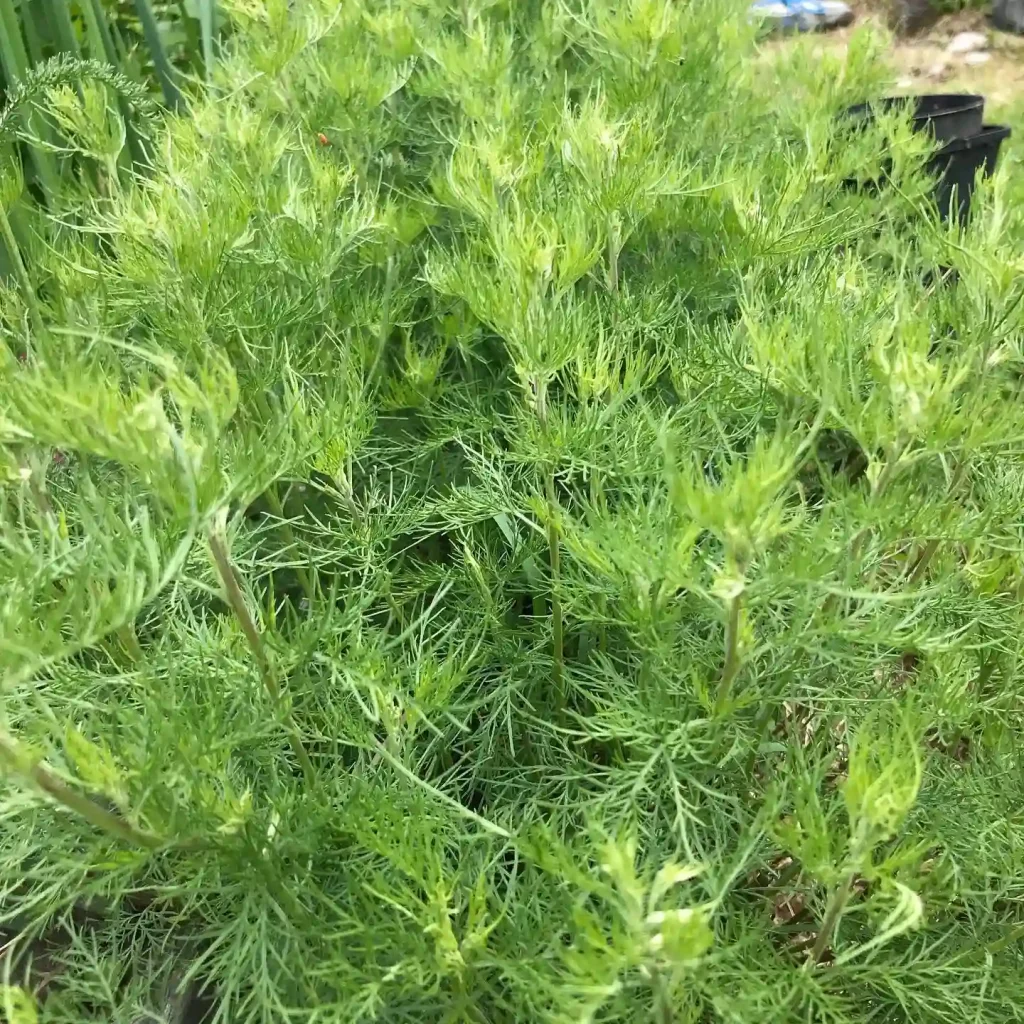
(921, 62)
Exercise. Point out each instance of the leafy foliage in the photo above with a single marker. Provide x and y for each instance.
(496, 529)
(137, 51)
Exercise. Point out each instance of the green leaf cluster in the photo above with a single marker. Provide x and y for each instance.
(494, 528)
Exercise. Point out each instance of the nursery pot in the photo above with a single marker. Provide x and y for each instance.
(956, 166)
(1008, 15)
(946, 116)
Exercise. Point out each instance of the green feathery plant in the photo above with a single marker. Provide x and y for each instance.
(142, 39)
(142, 46)
(494, 528)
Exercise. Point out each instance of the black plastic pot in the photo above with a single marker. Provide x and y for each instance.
(947, 116)
(1009, 15)
(957, 165)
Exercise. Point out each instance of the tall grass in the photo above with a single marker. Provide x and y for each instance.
(493, 529)
(33, 32)
(37, 30)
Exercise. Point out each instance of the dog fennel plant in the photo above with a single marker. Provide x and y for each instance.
(493, 531)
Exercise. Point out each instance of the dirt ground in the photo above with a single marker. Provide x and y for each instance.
(921, 62)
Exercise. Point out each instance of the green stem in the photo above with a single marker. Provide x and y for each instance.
(384, 328)
(614, 246)
(731, 665)
(31, 301)
(597, 501)
(889, 471)
(761, 724)
(557, 641)
(1012, 937)
(395, 763)
(927, 552)
(833, 912)
(289, 535)
(921, 564)
(663, 1012)
(40, 499)
(130, 640)
(540, 390)
(877, 489)
(229, 579)
(15, 757)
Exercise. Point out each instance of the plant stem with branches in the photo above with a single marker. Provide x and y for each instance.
(554, 557)
(236, 599)
(16, 758)
(27, 289)
(731, 664)
(833, 912)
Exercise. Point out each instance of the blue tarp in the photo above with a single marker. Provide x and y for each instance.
(802, 15)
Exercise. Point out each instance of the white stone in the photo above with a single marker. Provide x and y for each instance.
(977, 57)
(967, 42)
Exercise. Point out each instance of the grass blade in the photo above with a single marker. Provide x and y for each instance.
(13, 58)
(15, 65)
(101, 43)
(33, 36)
(207, 27)
(192, 44)
(55, 13)
(161, 64)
